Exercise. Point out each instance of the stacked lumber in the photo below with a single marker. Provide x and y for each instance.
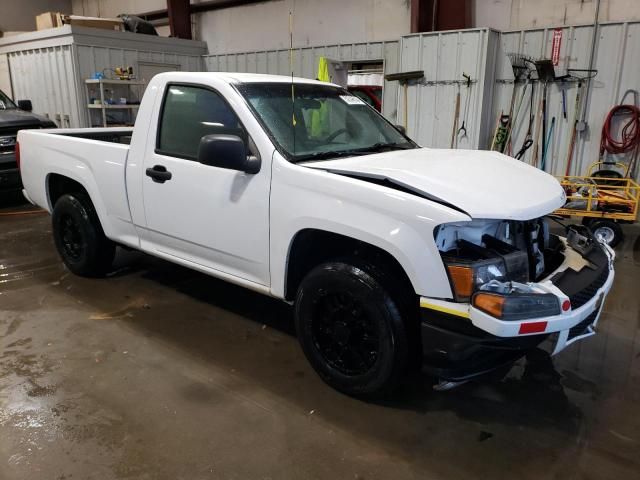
(56, 19)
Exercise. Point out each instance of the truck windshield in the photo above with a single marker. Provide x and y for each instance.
(315, 122)
(5, 102)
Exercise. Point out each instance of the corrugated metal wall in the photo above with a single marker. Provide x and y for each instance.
(305, 63)
(46, 76)
(617, 60)
(444, 57)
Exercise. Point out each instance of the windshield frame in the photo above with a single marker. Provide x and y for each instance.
(8, 102)
(290, 156)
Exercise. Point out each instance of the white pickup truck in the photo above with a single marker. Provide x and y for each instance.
(394, 256)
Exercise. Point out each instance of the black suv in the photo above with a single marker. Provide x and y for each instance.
(12, 119)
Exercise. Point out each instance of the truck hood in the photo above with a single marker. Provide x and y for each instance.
(483, 184)
(14, 117)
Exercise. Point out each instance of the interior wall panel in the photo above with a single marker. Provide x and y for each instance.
(444, 57)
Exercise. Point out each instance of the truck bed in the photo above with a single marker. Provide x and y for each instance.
(94, 157)
(109, 135)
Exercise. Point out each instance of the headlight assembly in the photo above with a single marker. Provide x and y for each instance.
(470, 277)
(517, 306)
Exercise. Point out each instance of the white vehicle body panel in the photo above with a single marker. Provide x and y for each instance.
(397, 222)
(98, 166)
(483, 184)
(210, 216)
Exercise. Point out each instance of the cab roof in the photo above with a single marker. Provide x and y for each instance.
(237, 77)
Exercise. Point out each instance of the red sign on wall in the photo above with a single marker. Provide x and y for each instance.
(555, 47)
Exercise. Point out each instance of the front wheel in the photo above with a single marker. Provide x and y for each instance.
(79, 237)
(350, 328)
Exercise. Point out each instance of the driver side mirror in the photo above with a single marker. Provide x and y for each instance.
(227, 151)
(25, 105)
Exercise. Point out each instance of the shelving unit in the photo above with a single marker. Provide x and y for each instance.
(121, 98)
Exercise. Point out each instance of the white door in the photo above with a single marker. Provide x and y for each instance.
(213, 217)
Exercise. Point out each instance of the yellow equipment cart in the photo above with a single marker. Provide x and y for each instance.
(603, 203)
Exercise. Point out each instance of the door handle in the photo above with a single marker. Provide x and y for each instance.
(159, 173)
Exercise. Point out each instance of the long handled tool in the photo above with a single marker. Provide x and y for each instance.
(462, 131)
(496, 132)
(528, 140)
(546, 145)
(505, 121)
(536, 133)
(514, 118)
(544, 119)
(456, 118)
(404, 78)
(546, 74)
(574, 129)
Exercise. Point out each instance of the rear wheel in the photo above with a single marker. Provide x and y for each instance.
(350, 328)
(79, 237)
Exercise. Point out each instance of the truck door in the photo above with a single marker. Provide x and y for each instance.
(211, 218)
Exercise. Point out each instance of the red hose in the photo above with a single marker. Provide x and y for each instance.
(630, 132)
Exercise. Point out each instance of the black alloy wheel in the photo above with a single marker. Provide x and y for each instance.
(345, 334)
(79, 237)
(72, 241)
(351, 328)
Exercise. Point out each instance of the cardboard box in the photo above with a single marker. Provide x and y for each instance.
(48, 20)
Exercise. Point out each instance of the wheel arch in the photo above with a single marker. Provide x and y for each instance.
(59, 184)
(303, 255)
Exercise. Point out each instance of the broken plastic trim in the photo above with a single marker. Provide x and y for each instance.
(387, 182)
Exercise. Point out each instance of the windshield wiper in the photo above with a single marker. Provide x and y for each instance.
(376, 147)
(381, 146)
(326, 155)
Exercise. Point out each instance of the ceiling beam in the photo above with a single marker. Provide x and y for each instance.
(198, 8)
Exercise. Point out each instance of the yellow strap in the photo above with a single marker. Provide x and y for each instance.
(440, 308)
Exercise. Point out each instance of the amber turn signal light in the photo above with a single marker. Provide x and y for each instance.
(462, 279)
(489, 303)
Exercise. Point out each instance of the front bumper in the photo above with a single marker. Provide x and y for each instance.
(459, 341)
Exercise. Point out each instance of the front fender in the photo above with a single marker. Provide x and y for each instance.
(397, 222)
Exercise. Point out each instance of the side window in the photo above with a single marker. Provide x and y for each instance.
(190, 113)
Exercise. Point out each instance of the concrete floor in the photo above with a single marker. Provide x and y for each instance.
(162, 373)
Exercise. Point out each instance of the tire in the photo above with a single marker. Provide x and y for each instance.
(611, 177)
(79, 237)
(607, 230)
(351, 329)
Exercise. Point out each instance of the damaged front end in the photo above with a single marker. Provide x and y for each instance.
(514, 284)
